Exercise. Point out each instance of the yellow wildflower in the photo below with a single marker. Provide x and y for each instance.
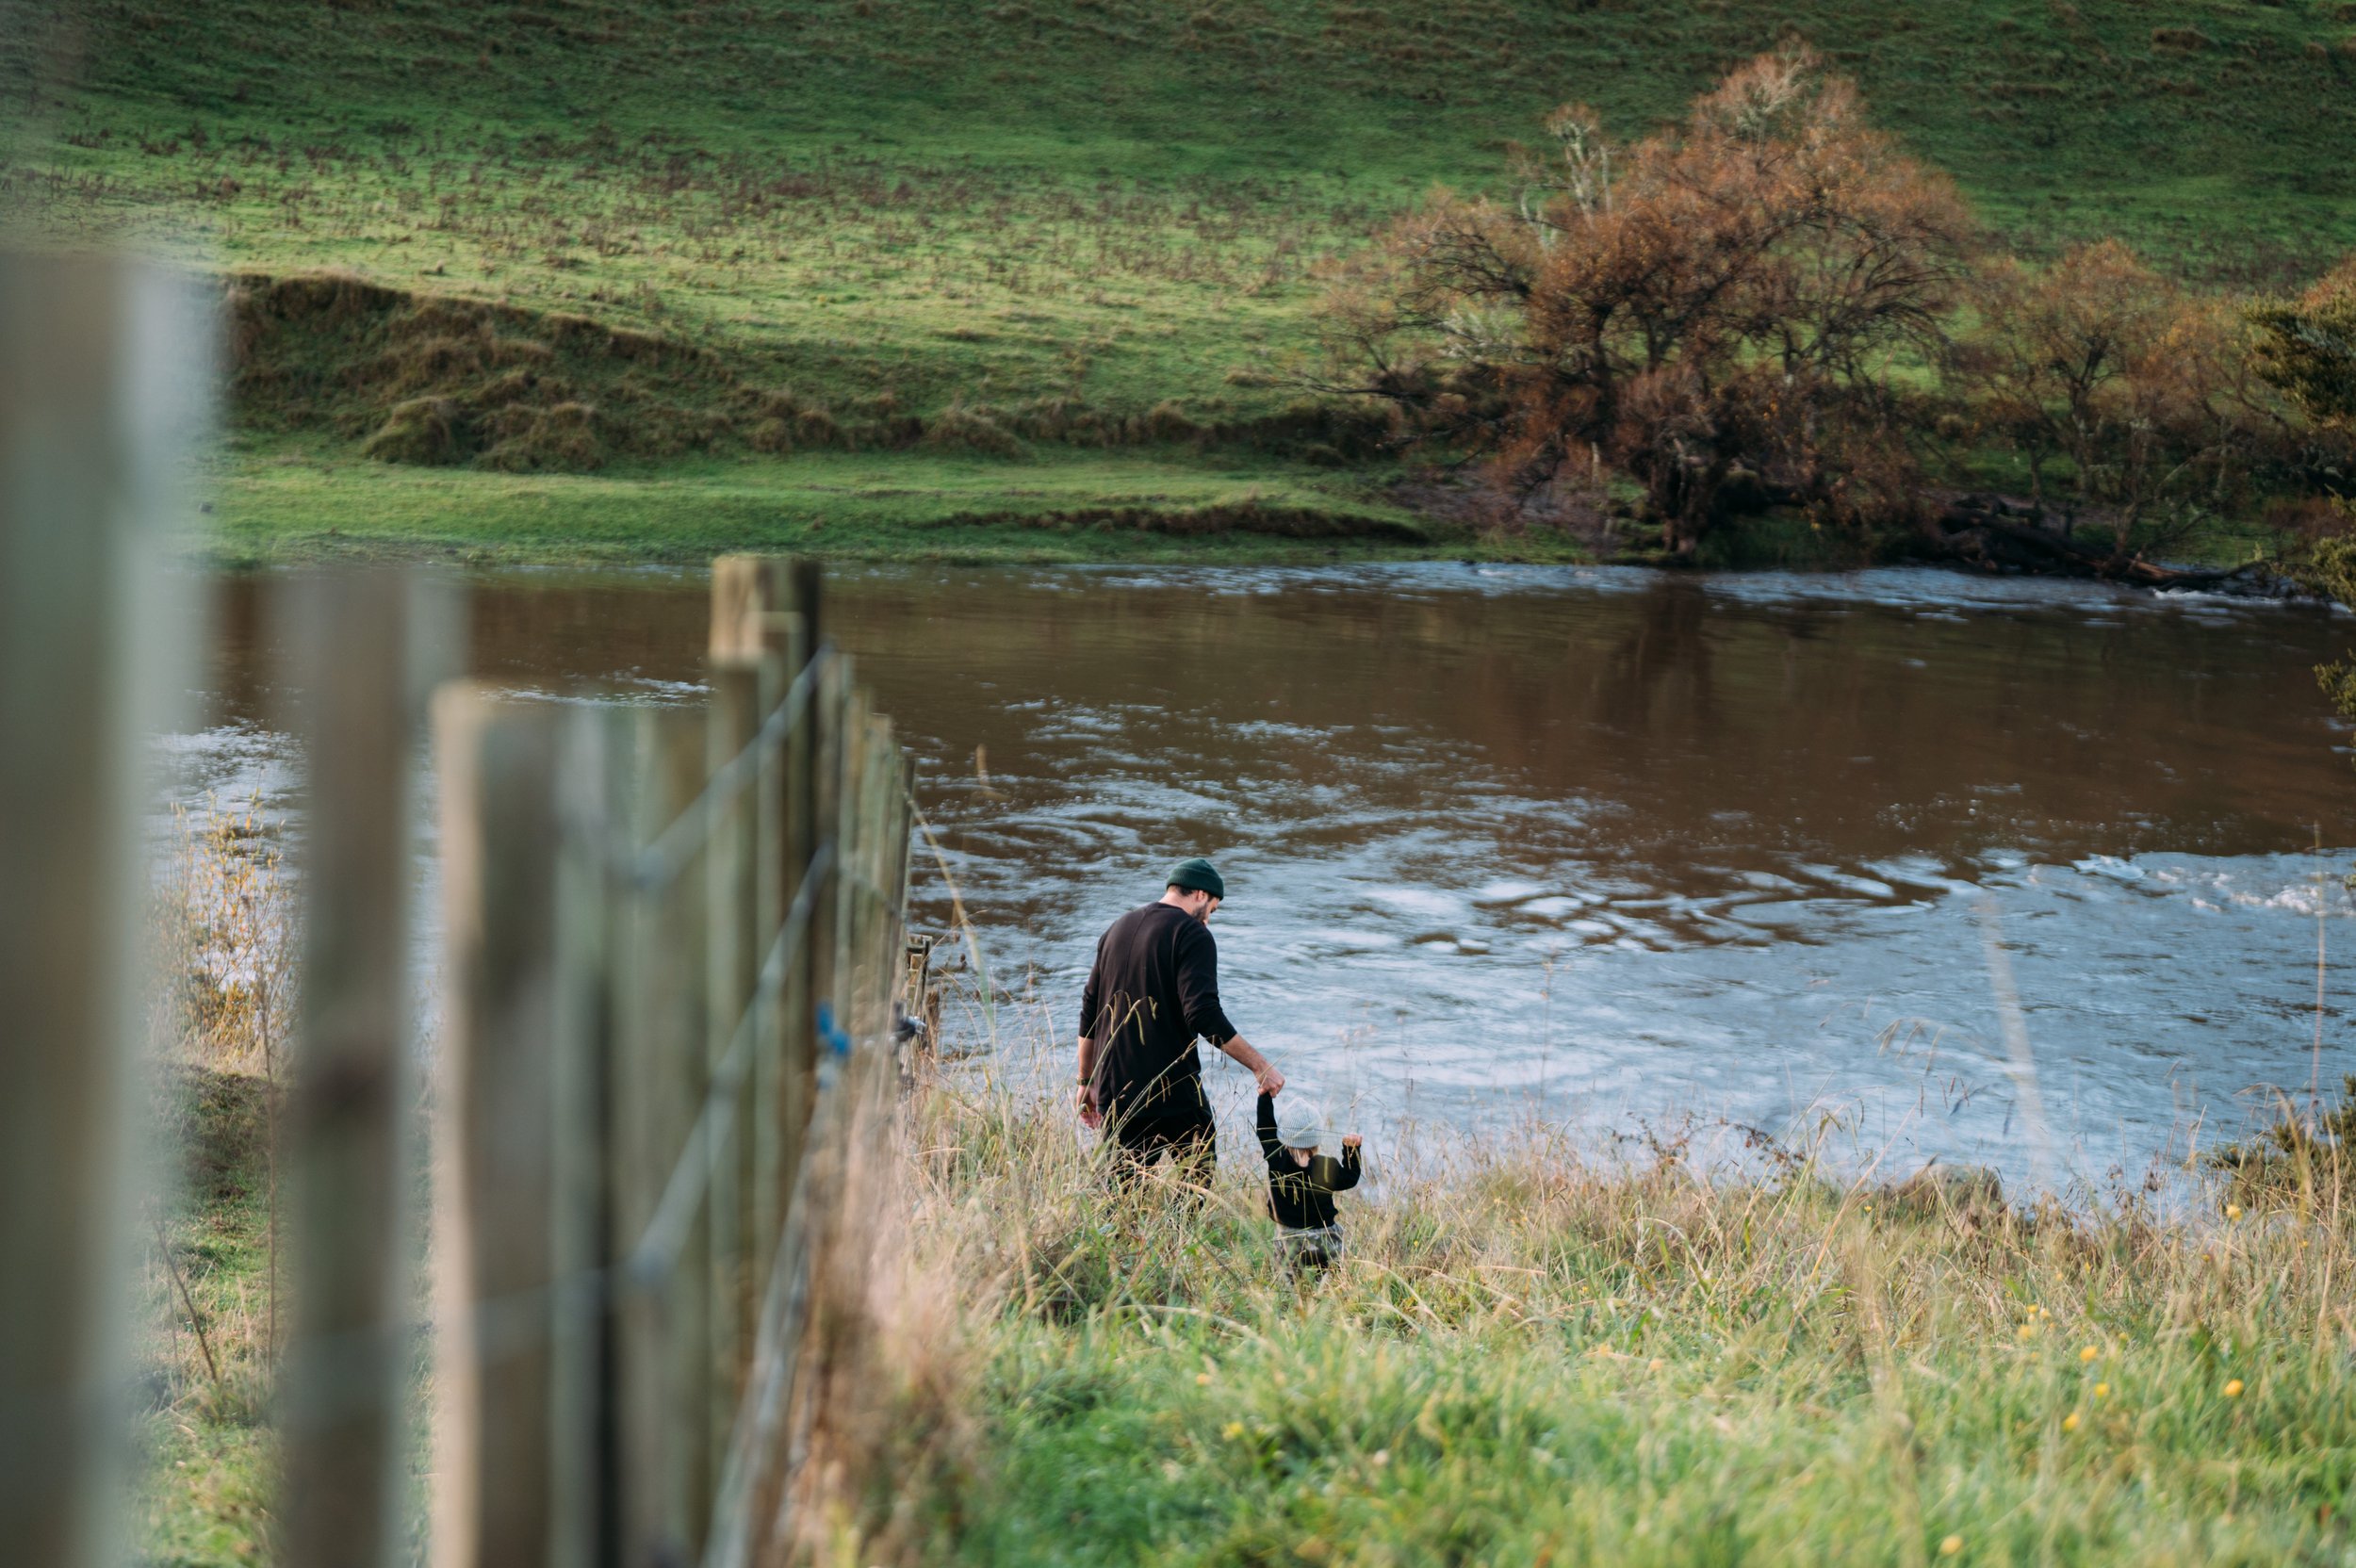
(2233, 1388)
(1233, 1429)
(2232, 1211)
(1950, 1546)
(2089, 1354)
(2102, 1390)
(1202, 1379)
(2069, 1422)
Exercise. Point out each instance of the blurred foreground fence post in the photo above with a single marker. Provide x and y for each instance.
(362, 645)
(672, 953)
(102, 370)
(494, 1169)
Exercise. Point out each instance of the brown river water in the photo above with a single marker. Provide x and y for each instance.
(1608, 849)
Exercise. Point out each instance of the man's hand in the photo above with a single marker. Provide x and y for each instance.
(1092, 1114)
(1350, 1140)
(1263, 1071)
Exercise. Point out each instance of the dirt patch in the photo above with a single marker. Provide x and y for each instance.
(438, 381)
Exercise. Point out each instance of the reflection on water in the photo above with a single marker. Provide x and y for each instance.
(1600, 845)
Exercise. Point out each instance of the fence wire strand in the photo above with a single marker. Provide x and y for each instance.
(661, 862)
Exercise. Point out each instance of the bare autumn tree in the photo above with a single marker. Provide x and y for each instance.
(1724, 299)
(2151, 395)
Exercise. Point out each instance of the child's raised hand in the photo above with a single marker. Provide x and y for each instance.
(1350, 1140)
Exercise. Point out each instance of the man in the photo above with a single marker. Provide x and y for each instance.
(1152, 989)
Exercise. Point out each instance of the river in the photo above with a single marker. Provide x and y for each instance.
(1613, 850)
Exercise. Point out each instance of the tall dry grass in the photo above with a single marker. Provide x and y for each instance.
(1536, 1353)
(223, 922)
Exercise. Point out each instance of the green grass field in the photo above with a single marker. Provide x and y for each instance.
(1529, 1358)
(1532, 1356)
(285, 502)
(1060, 216)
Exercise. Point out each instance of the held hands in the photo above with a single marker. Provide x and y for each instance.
(1270, 1081)
(1351, 1141)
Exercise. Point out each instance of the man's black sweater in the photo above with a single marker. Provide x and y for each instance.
(1302, 1197)
(1152, 988)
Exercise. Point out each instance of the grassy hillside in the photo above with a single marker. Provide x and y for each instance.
(1051, 219)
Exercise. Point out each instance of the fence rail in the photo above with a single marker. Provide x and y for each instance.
(672, 963)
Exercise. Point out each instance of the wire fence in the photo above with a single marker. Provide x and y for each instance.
(669, 933)
(673, 972)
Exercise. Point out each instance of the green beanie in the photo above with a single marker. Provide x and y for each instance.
(1197, 875)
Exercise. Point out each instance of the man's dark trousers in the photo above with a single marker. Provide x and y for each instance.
(1187, 1137)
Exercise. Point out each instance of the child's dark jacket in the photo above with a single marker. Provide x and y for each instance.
(1302, 1197)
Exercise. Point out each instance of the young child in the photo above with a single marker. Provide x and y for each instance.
(1302, 1182)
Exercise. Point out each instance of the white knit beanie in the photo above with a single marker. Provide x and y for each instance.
(1299, 1121)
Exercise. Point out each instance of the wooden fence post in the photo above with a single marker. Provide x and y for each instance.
(764, 1167)
(852, 846)
(495, 1171)
(678, 1077)
(584, 1407)
(804, 759)
(638, 1125)
(97, 380)
(752, 651)
(359, 645)
(884, 937)
(732, 949)
(872, 972)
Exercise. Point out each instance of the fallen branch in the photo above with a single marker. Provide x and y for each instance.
(1989, 534)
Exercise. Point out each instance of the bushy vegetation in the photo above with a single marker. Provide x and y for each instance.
(986, 230)
(1771, 304)
(1719, 311)
(1532, 1356)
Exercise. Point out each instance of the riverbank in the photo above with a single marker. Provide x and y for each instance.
(1528, 1357)
(279, 503)
(1531, 1357)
